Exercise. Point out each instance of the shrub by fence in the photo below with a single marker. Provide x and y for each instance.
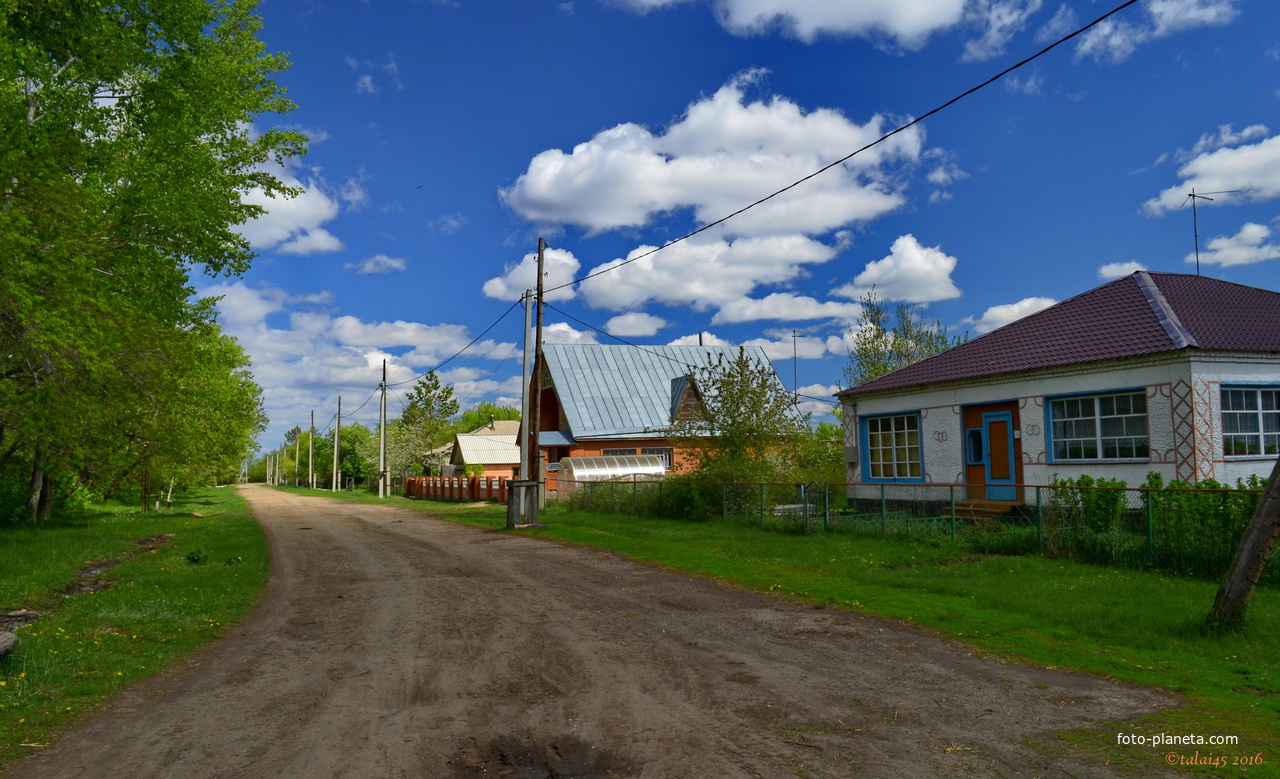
(1183, 529)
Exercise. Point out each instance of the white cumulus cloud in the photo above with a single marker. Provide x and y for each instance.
(785, 306)
(1253, 170)
(559, 265)
(724, 153)
(999, 316)
(911, 273)
(1244, 248)
(701, 273)
(635, 324)
(292, 225)
(1115, 270)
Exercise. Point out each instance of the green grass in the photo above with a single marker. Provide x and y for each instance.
(1131, 625)
(167, 597)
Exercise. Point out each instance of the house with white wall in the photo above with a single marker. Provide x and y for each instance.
(1165, 372)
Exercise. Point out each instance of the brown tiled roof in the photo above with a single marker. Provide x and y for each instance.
(1144, 313)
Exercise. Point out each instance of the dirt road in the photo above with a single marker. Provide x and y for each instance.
(393, 645)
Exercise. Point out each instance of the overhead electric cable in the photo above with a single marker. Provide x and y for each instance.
(625, 342)
(853, 154)
(463, 349)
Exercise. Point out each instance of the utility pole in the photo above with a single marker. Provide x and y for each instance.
(337, 433)
(297, 458)
(524, 392)
(382, 438)
(311, 452)
(795, 369)
(535, 400)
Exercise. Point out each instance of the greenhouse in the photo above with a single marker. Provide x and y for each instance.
(580, 469)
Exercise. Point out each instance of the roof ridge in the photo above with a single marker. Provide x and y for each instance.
(1168, 318)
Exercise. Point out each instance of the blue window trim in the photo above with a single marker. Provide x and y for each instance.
(1048, 427)
(864, 445)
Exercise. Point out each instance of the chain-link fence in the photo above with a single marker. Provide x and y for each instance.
(1191, 532)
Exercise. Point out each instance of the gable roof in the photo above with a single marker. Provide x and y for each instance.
(498, 427)
(1140, 314)
(492, 449)
(622, 391)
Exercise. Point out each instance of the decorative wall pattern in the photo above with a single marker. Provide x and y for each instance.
(1192, 404)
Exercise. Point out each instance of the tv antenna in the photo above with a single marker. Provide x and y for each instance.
(1195, 218)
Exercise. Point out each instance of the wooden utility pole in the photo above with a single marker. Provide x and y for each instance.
(382, 438)
(1251, 556)
(297, 458)
(337, 434)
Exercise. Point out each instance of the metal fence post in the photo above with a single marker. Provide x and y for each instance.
(826, 506)
(804, 505)
(1039, 523)
(884, 512)
(952, 490)
(635, 485)
(1151, 526)
(762, 504)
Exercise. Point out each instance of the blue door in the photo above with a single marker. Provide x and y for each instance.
(997, 427)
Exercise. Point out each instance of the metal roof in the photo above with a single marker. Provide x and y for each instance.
(472, 449)
(622, 391)
(1140, 314)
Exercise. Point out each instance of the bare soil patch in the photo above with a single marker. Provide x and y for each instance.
(390, 645)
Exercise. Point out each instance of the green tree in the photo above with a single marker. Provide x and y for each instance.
(480, 414)
(127, 147)
(426, 418)
(881, 345)
(747, 423)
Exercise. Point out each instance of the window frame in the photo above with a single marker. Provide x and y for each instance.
(1096, 418)
(1260, 414)
(868, 461)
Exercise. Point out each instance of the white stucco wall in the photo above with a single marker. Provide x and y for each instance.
(1183, 417)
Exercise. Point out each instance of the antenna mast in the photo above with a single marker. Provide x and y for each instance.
(1195, 217)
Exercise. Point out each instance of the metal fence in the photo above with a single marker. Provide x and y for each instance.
(1188, 532)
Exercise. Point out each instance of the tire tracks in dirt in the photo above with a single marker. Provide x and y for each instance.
(390, 644)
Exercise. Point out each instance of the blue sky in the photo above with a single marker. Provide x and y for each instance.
(449, 135)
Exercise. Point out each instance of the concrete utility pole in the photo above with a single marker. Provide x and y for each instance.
(337, 434)
(535, 398)
(311, 453)
(525, 395)
(383, 487)
(297, 458)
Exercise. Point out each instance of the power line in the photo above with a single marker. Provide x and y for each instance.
(853, 154)
(463, 349)
(657, 354)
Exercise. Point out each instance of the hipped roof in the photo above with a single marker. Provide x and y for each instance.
(1140, 314)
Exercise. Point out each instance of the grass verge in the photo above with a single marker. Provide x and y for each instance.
(121, 595)
(1130, 625)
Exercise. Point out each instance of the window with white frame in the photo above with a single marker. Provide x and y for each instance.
(665, 452)
(1250, 422)
(893, 447)
(617, 452)
(1099, 427)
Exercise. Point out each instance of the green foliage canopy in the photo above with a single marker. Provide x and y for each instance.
(126, 147)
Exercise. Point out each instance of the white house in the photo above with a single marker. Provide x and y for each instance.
(1163, 372)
